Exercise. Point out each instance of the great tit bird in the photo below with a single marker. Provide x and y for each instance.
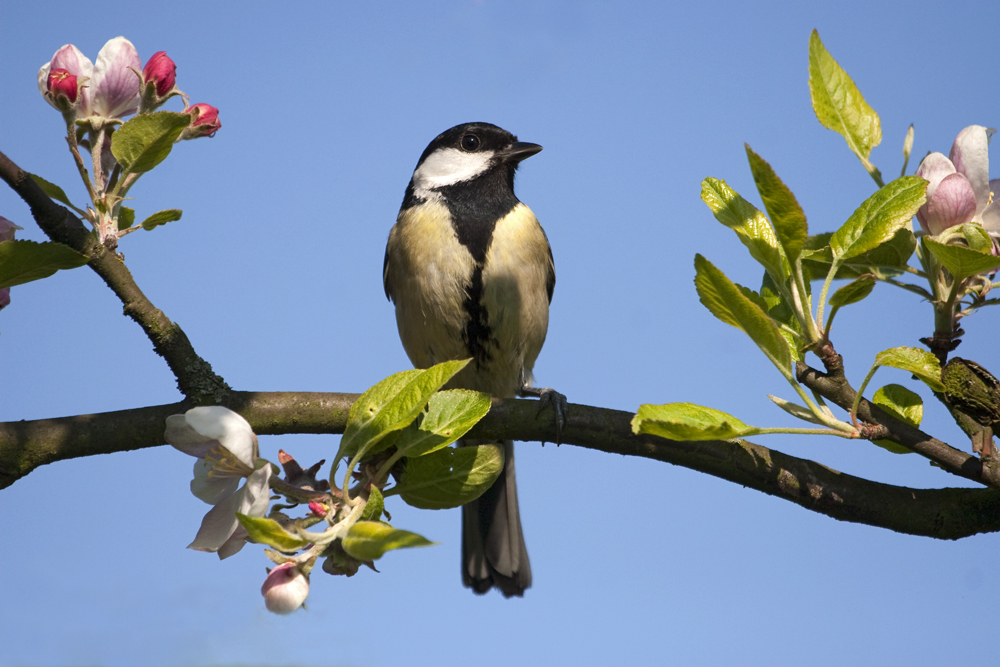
(471, 274)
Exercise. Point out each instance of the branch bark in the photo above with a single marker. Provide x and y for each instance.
(195, 377)
(949, 513)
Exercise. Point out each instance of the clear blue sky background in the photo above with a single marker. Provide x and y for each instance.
(275, 274)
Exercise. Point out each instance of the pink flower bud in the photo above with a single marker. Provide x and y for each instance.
(205, 124)
(61, 82)
(285, 589)
(317, 509)
(161, 71)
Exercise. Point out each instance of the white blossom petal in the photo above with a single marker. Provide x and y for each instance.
(114, 89)
(218, 525)
(235, 542)
(970, 155)
(183, 437)
(214, 489)
(227, 428)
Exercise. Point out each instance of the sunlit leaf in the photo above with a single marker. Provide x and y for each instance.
(146, 140)
(369, 540)
(687, 421)
(879, 218)
(921, 363)
(902, 404)
(268, 531)
(786, 215)
(750, 225)
(960, 261)
(450, 477)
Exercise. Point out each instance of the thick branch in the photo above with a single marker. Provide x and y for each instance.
(940, 513)
(834, 387)
(194, 375)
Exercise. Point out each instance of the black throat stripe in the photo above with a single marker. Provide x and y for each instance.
(476, 206)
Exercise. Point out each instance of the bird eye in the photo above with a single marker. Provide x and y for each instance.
(470, 142)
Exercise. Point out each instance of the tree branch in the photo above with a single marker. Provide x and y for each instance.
(834, 387)
(949, 513)
(195, 377)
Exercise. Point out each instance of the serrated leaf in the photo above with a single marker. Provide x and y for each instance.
(879, 218)
(52, 190)
(145, 141)
(786, 215)
(126, 217)
(904, 405)
(750, 225)
(450, 414)
(369, 540)
(687, 421)
(921, 363)
(392, 404)
(838, 103)
(161, 218)
(374, 507)
(24, 261)
(854, 291)
(724, 300)
(450, 477)
(960, 261)
(268, 531)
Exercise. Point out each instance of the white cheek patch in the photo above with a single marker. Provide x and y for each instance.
(447, 166)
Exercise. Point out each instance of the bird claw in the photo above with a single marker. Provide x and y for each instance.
(547, 396)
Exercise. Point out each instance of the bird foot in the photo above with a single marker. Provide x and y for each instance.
(547, 396)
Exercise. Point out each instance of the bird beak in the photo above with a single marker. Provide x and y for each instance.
(519, 151)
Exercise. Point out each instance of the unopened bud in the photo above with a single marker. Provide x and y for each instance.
(317, 509)
(205, 122)
(161, 71)
(285, 589)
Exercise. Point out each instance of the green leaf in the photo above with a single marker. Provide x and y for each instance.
(960, 261)
(879, 218)
(838, 103)
(921, 363)
(268, 531)
(126, 217)
(52, 190)
(145, 141)
(977, 237)
(450, 477)
(781, 312)
(902, 404)
(854, 291)
(392, 404)
(24, 261)
(750, 225)
(725, 300)
(374, 507)
(884, 261)
(796, 410)
(161, 218)
(369, 540)
(786, 215)
(687, 421)
(450, 414)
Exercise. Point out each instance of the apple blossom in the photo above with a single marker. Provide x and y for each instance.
(285, 588)
(111, 85)
(959, 189)
(205, 122)
(226, 449)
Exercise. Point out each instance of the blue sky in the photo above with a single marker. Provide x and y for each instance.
(275, 275)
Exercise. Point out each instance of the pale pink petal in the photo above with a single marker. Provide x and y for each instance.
(933, 169)
(953, 203)
(7, 229)
(970, 155)
(257, 492)
(991, 214)
(233, 545)
(70, 59)
(212, 489)
(114, 90)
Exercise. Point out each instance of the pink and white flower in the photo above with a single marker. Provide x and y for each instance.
(285, 588)
(226, 448)
(959, 189)
(109, 89)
